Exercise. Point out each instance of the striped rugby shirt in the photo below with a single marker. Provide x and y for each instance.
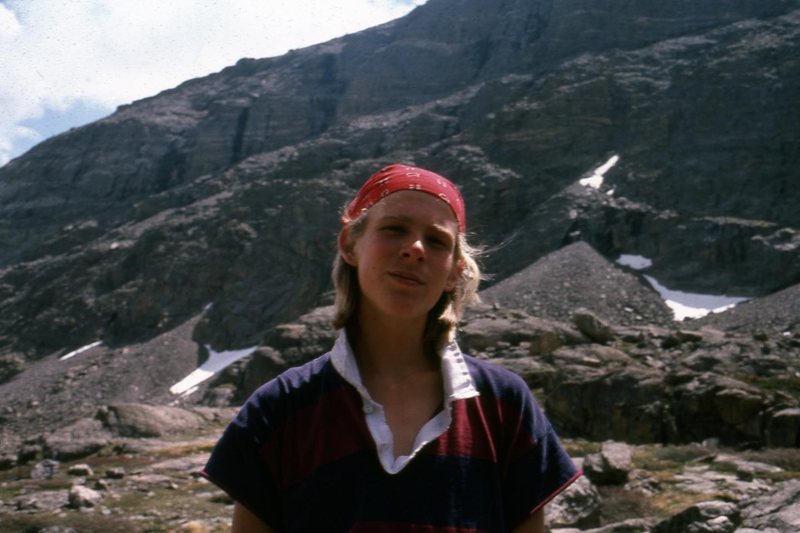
(311, 451)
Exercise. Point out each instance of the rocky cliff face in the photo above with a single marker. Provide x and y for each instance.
(224, 190)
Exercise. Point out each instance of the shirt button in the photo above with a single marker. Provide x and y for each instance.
(368, 408)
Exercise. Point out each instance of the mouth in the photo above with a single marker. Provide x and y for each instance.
(407, 277)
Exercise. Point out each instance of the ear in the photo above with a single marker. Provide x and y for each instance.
(455, 276)
(346, 248)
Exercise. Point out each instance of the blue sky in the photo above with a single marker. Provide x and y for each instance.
(65, 63)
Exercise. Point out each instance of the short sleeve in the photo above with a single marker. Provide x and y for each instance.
(238, 464)
(539, 467)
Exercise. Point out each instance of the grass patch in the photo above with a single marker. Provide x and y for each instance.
(160, 504)
(670, 503)
(786, 458)
(25, 523)
(788, 384)
(672, 458)
(621, 504)
(581, 447)
(186, 449)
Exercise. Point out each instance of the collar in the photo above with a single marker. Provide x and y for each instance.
(456, 378)
(457, 384)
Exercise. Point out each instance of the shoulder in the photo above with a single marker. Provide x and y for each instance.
(300, 384)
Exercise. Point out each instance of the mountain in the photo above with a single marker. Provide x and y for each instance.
(222, 193)
(203, 219)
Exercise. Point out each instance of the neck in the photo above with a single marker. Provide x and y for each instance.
(390, 347)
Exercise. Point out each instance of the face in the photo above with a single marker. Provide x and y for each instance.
(405, 256)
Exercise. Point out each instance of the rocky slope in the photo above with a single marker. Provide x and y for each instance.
(224, 190)
(712, 419)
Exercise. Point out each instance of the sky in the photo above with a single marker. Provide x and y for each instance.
(65, 63)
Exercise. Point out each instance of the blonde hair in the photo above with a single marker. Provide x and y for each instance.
(445, 314)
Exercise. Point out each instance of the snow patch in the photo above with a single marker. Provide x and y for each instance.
(593, 181)
(636, 262)
(691, 305)
(596, 179)
(82, 349)
(217, 361)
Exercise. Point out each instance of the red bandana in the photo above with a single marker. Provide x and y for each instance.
(401, 178)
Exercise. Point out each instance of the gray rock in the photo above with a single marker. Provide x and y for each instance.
(592, 326)
(46, 469)
(632, 525)
(536, 373)
(783, 428)
(81, 496)
(80, 470)
(28, 452)
(611, 466)
(117, 472)
(628, 403)
(778, 510)
(513, 333)
(7, 461)
(139, 420)
(265, 364)
(704, 517)
(578, 506)
(220, 396)
(41, 501)
(77, 440)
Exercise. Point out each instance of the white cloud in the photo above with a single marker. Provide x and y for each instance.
(104, 53)
(9, 25)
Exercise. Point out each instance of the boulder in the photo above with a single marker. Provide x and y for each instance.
(42, 501)
(778, 510)
(77, 440)
(46, 469)
(709, 405)
(611, 466)
(783, 428)
(577, 506)
(7, 460)
(627, 403)
(264, 364)
(704, 517)
(80, 470)
(117, 472)
(631, 525)
(514, 333)
(81, 496)
(139, 420)
(592, 326)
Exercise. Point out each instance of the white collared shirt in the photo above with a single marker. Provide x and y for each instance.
(457, 384)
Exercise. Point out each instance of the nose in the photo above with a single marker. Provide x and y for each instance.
(414, 249)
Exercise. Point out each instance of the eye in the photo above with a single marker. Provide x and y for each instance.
(439, 242)
(393, 228)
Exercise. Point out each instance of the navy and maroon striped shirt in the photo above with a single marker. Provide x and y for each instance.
(300, 455)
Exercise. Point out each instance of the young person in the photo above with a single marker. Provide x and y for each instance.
(394, 429)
